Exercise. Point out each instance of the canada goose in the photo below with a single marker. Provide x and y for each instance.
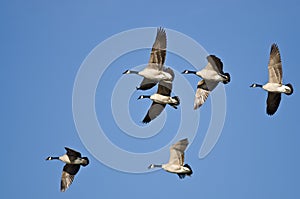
(211, 75)
(160, 99)
(275, 86)
(155, 71)
(176, 161)
(73, 161)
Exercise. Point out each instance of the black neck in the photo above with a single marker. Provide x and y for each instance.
(144, 96)
(52, 158)
(189, 72)
(134, 72)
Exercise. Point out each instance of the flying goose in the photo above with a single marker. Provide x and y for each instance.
(274, 86)
(73, 161)
(160, 99)
(211, 75)
(155, 71)
(176, 161)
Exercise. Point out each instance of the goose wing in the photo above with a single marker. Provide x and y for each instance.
(68, 174)
(154, 110)
(214, 63)
(275, 66)
(273, 102)
(72, 154)
(158, 52)
(146, 84)
(170, 71)
(177, 152)
(203, 90)
(164, 88)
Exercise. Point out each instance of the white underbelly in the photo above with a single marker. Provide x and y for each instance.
(274, 87)
(210, 76)
(172, 168)
(65, 159)
(161, 99)
(156, 75)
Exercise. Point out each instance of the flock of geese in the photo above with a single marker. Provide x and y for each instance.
(156, 73)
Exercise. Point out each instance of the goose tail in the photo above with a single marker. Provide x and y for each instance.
(177, 100)
(227, 78)
(291, 88)
(190, 172)
(85, 161)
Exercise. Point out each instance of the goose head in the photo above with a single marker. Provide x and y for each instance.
(126, 72)
(130, 72)
(255, 85)
(143, 96)
(49, 158)
(52, 158)
(151, 166)
(188, 72)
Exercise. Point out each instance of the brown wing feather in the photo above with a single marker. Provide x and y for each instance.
(182, 160)
(275, 66)
(68, 174)
(201, 95)
(154, 110)
(146, 84)
(215, 62)
(164, 88)
(158, 52)
(177, 152)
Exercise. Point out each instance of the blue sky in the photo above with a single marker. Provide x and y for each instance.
(44, 43)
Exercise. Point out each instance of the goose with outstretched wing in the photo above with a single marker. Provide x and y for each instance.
(211, 75)
(155, 71)
(176, 161)
(275, 86)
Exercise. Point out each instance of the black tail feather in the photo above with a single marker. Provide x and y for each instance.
(191, 171)
(181, 176)
(291, 87)
(177, 99)
(228, 78)
(87, 161)
(174, 105)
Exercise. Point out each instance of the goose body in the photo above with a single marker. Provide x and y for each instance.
(274, 86)
(176, 162)
(155, 71)
(73, 162)
(160, 99)
(152, 74)
(211, 75)
(277, 88)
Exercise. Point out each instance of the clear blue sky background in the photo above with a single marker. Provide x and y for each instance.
(43, 44)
